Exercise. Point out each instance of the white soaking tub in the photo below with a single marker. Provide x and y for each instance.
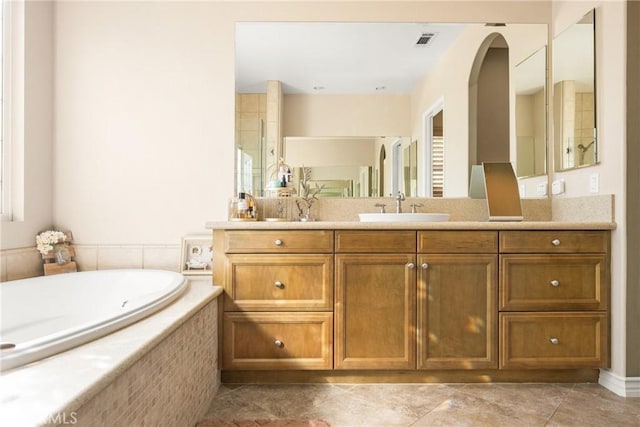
(43, 316)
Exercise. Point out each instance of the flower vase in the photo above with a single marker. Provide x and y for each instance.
(305, 213)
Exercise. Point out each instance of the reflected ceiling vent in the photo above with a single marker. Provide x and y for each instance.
(425, 39)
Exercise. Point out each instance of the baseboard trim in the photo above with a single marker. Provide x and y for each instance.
(622, 386)
(412, 376)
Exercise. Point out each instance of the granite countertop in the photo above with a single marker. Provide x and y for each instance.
(449, 225)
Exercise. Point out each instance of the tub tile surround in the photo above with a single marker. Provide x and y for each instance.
(26, 262)
(183, 364)
(66, 383)
(20, 263)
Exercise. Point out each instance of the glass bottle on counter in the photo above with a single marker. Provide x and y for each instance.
(243, 208)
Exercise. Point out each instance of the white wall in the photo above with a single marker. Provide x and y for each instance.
(346, 115)
(144, 119)
(32, 146)
(611, 124)
(315, 152)
(145, 105)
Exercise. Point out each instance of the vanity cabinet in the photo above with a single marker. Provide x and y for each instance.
(375, 303)
(554, 299)
(420, 304)
(457, 299)
(278, 305)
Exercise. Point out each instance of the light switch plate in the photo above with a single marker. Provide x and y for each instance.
(541, 189)
(557, 187)
(594, 183)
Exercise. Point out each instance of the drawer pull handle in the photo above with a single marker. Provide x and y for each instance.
(278, 284)
(424, 266)
(555, 283)
(555, 242)
(278, 343)
(278, 242)
(554, 341)
(411, 266)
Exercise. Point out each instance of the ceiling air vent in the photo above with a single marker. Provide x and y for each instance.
(425, 39)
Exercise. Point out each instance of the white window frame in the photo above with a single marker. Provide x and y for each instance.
(427, 129)
(5, 108)
(12, 146)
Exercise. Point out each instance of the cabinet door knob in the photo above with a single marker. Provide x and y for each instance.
(411, 265)
(555, 283)
(278, 284)
(278, 343)
(424, 266)
(555, 242)
(554, 341)
(278, 242)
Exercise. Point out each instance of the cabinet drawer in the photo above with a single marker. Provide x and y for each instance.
(444, 242)
(375, 241)
(278, 341)
(278, 241)
(553, 340)
(554, 282)
(553, 241)
(279, 282)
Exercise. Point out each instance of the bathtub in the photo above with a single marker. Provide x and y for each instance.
(43, 316)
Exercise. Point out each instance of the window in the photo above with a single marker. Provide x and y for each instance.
(434, 150)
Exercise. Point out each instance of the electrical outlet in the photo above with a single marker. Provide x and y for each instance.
(523, 190)
(557, 186)
(594, 183)
(541, 189)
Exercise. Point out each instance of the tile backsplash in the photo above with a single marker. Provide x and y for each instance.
(26, 262)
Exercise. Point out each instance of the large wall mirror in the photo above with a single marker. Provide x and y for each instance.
(574, 96)
(350, 100)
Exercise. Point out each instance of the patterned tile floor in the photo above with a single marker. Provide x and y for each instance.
(519, 405)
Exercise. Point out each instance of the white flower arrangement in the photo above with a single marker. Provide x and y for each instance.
(48, 239)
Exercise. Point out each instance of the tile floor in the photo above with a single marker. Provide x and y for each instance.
(371, 405)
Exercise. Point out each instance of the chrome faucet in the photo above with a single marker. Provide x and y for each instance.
(399, 200)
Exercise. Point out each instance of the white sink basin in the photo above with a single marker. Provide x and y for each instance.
(403, 217)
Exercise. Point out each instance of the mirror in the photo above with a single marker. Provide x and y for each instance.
(531, 115)
(335, 87)
(346, 166)
(574, 100)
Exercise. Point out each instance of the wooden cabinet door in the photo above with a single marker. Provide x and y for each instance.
(457, 314)
(375, 311)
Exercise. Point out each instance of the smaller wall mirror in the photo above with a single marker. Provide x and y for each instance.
(531, 113)
(574, 96)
